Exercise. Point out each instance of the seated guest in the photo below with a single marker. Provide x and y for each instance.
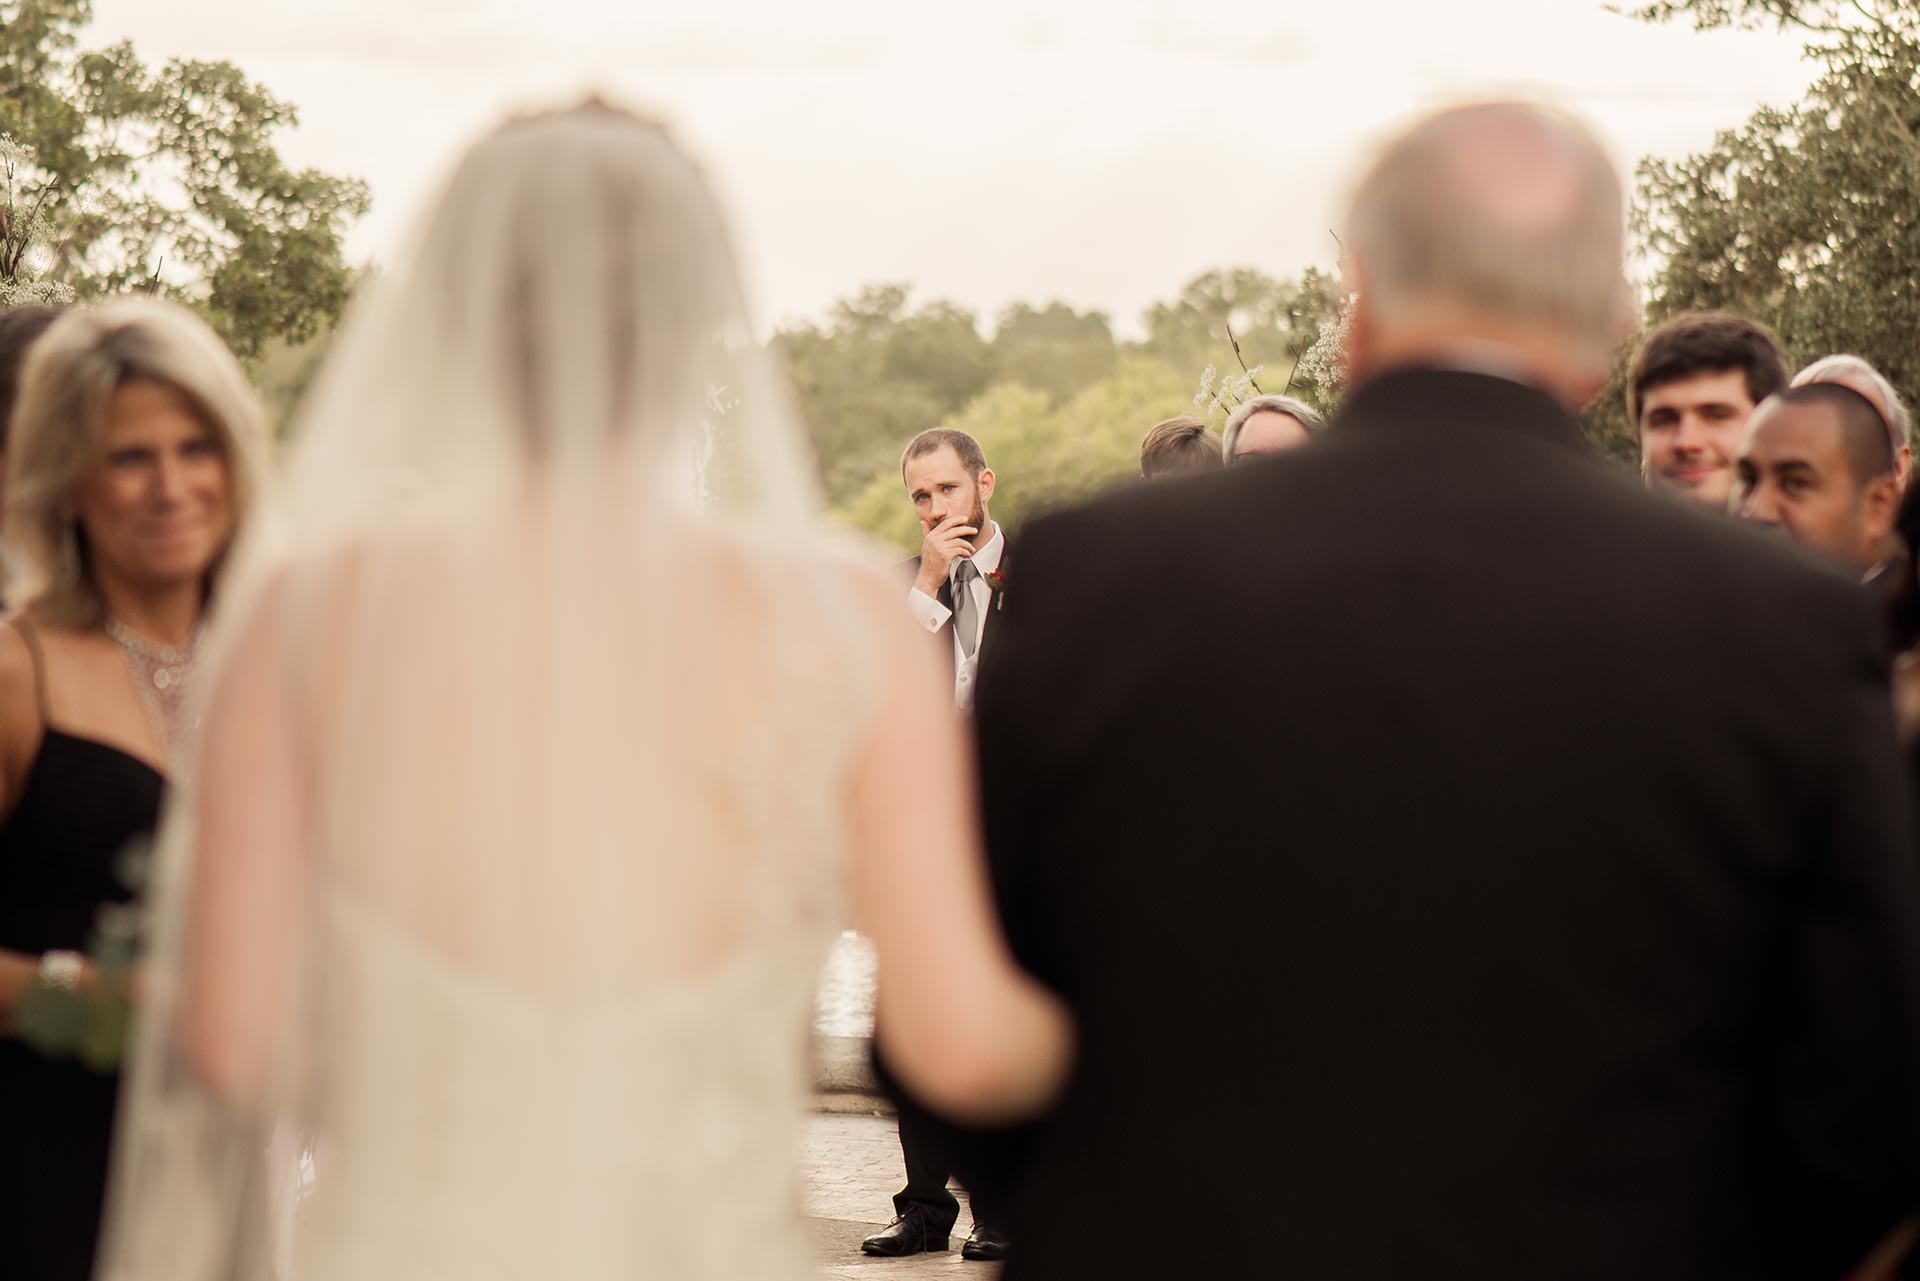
(135, 452)
(1851, 371)
(1693, 382)
(1178, 446)
(1268, 425)
(1815, 463)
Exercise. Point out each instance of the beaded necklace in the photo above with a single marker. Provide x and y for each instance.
(164, 676)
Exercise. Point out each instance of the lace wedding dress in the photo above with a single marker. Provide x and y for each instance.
(515, 837)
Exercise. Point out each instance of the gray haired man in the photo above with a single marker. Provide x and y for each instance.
(1620, 974)
(1268, 425)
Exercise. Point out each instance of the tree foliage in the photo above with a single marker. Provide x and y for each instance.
(1842, 18)
(1275, 322)
(1058, 401)
(1054, 350)
(874, 374)
(23, 212)
(167, 179)
(1806, 217)
(1044, 452)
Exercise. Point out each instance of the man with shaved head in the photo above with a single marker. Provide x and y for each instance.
(1816, 463)
(1859, 375)
(1548, 913)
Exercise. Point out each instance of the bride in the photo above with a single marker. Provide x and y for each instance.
(546, 746)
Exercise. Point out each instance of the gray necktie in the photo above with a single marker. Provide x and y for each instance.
(966, 614)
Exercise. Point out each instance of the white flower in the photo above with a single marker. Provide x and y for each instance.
(1325, 363)
(22, 293)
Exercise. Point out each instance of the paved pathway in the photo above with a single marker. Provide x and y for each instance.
(850, 1169)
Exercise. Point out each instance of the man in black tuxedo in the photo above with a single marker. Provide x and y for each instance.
(1548, 913)
(959, 573)
(956, 596)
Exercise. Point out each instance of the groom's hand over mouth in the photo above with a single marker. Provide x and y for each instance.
(947, 541)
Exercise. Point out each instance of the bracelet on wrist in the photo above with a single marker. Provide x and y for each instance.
(61, 970)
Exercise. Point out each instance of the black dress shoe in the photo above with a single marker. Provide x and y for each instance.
(985, 1244)
(911, 1233)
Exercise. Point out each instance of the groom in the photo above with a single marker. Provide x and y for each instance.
(958, 573)
(956, 596)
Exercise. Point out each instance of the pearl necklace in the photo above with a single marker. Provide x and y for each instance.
(164, 676)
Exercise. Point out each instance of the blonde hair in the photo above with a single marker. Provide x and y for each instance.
(1428, 227)
(1180, 443)
(58, 426)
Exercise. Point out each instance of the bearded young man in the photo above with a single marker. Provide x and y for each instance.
(959, 571)
(956, 596)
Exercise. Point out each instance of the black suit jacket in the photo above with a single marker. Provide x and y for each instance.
(991, 626)
(1462, 864)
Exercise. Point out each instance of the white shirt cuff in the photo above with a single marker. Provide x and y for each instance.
(927, 611)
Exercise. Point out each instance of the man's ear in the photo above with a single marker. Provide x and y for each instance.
(1881, 501)
(986, 485)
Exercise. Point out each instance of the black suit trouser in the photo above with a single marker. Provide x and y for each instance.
(927, 1171)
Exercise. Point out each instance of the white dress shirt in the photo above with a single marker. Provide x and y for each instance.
(932, 615)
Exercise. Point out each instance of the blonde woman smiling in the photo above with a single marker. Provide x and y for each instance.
(134, 455)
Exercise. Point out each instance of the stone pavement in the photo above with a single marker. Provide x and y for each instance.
(849, 1170)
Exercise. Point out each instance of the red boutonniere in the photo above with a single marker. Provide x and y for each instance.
(997, 584)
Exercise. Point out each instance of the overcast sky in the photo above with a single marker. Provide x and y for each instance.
(1102, 153)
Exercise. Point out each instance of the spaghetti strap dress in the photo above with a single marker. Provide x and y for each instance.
(81, 807)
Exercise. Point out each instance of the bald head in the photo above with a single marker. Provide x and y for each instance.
(1501, 221)
(1854, 423)
(1859, 376)
(1816, 463)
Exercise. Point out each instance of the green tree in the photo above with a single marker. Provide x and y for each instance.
(1053, 349)
(283, 371)
(1605, 417)
(1059, 404)
(168, 180)
(23, 253)
(1807, 217)
(1043, 453)
(1274, 321)
(877, 373)
(1845, 19)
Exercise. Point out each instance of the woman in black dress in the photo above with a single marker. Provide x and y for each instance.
(132, 462)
